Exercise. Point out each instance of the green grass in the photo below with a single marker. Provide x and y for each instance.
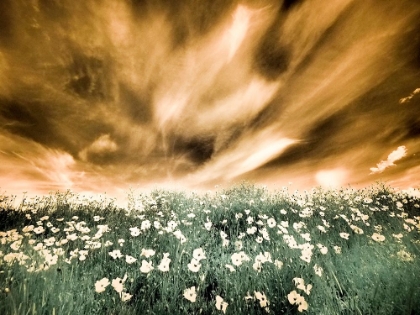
(364, 245)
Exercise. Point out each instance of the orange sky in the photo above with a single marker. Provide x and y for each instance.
(103, 96)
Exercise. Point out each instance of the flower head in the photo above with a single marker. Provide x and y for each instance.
(135, 231)
(194, 265)
(100, 285)
(118, 284)
(147, 252)
(378, 237)
(125, 296)
(261, 298)
(146, 266)
(130, 259)
(221, 305)
(199, 254)
(190, 294)
(115, 254)
(164, 264)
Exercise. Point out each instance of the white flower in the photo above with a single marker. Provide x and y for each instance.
(271, 222)
(199, 254)
(118, 284)
(323, 249)
(164, 264)
(230, 267)
(356, 229)
(238, 245)
(337, 249)
(321, 228)
(249, 220)
(261, 298)
(306, 255)
(190, 294)
(116, 253)
(130, 259)
(125, 296)
(39, 230)
(101, 285)
(135, 231)
(208, 225)
(278, 264)
(16, 245)
(194, 265)
(145, 225)
(251, 230)
(236, 259)
(378, 237)
(257, 266)
(146, 266)
(306, 236)
(147, 252)
(318, 270)
(295, 298)
(221, 304)
(345, 235)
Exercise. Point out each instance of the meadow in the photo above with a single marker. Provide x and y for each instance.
(242, 250)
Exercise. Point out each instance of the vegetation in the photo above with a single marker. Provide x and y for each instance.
(238, 251)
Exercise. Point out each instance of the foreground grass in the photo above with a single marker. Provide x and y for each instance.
(239, 251)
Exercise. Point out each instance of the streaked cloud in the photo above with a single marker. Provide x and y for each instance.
(108, 95)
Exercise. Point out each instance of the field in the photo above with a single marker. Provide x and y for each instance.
(242, 250)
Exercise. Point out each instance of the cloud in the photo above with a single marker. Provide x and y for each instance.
(394, 156)
(102, 146)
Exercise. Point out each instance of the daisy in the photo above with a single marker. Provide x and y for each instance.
(147, 252)
(271, 222)
(118, 284)
(221, 305)
(130, 259)
(378, 237)
(146, 266)
(190, 294)
(345, 235)
(261, 298)
(135, 231)
(125, 296)
(278, 264)
(199, 254)
(230, 267)
(28, 228)
(16, 245)
(236, 259)
(116, 253)
(39, 230)
(145, 225)
(208, 225)
(356, 229)
(100, 285)
(251, 230)
(194, 265)
(164, 264)
(337, 249)
(318, 270)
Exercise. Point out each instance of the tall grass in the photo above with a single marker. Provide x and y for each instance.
(238, 251)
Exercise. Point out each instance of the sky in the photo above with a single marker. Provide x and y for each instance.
(107, 96)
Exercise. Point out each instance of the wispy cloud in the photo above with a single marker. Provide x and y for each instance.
(395, 155)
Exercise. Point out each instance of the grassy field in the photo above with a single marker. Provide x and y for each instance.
(238, 251)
